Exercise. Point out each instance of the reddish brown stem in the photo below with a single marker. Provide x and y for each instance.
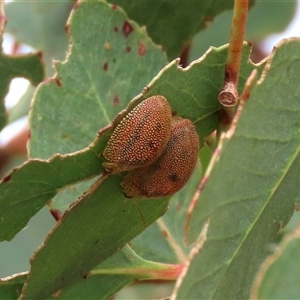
(228, 96)
(236, 41)
(164, 272)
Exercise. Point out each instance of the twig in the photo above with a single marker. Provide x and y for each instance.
(228, 96)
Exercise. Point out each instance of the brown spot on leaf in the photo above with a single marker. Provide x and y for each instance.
(40, 54)
(56, 294)
(141, 49)
(114, 7)
(164, 233)
(56, 214)
(116, 100)
(64, 136)
(105, 66)
(116, 29)
(85, 276)
(28, 134)
(208, 21)
(6, 178)
(107, 46)
(58, 82)
(67, 28)
(127, 28)
(128, 49)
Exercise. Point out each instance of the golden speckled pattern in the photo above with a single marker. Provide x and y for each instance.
(141, 136)
(172, 170)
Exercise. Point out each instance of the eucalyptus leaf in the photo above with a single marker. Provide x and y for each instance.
(173, 24)
(103, 281)
(11, 287)
(104, 70)
(168, 231)
(95, 227)
(28, 188)
(190, 93)
(278, 277)
(253, 188)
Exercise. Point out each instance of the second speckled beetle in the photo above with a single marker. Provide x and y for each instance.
(171, 171)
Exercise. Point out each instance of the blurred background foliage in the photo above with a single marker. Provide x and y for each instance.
(40, 26)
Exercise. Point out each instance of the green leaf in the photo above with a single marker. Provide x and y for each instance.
(28, 188)
(173, 24)
(96, 226)
(103, 281)
(168, 231)
(28, 66)
(260, 24)
(279, 275)
(253, 188)
(61, 202)
(11, 287)
(15, 254)
(103, 72)
(184, 81)
(52, 105)
(121, 269)
(191, 92)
